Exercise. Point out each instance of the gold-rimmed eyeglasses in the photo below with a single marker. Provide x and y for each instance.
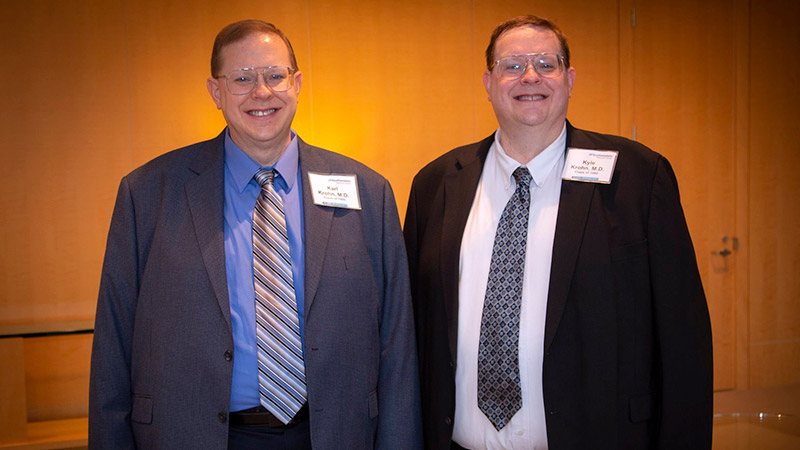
(547, 65)
(243, 81)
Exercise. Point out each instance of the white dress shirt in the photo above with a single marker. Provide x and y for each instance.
(526, 430)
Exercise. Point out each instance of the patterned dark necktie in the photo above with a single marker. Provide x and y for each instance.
(281, 372)
(499, 392)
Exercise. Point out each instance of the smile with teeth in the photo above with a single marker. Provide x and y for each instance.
(260, 112)
(530, 97)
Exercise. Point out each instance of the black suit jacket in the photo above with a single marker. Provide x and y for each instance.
(628, 357)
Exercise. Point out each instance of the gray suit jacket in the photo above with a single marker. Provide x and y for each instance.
(162, 353)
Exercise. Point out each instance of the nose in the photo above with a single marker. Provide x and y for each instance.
(261, 89)
(530, 75)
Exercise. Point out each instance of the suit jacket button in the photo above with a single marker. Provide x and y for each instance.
(228, 355)
(222, 417)
(448, 420)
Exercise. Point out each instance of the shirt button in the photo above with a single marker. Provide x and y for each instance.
(448, 420)
(222, 417)
(228, 355)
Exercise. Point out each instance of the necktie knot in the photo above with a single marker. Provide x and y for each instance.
(265, 177)
(523, 177)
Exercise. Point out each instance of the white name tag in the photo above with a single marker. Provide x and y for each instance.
(334, 190)
(590, 166)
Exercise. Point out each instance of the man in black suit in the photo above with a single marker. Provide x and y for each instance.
(556, 292)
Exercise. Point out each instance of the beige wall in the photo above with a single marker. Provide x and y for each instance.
(94, 88)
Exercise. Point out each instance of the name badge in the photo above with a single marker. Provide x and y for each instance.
(334, 190)
(589, 165)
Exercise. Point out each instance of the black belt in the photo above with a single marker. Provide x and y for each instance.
(260, 416)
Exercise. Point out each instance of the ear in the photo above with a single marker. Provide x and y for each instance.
(298, 80)
(571, 79)
(213, 88)
(487, 83)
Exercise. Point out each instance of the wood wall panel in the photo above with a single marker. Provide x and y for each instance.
(400, 96)
(63, 150)
(774, 362)
(684, 91)
(742, 137)
(56, 381)
(12, 393)
(774, 333)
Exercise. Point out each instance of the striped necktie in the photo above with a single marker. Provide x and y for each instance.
(499, 391)
(281, 372)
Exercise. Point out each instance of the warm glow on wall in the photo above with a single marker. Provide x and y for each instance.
(117, 84)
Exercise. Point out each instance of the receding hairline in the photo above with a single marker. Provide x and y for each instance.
(274, 37)
(237, 32)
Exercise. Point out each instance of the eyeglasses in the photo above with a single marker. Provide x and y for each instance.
(547, 65)
(243, 81)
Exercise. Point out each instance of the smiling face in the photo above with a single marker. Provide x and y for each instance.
(530, 103)
(259, 122)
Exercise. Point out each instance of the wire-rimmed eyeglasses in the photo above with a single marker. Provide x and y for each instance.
(547, 65)
(243, 81)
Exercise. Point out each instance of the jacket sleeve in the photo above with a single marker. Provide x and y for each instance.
(400, 424)
(682, 324)
(410, 235)
(110, 378)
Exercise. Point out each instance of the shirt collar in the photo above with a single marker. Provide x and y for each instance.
(243, 167)
(539, 167)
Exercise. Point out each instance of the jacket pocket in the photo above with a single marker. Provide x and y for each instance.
(373, 404)
(641, 407)
(142, 411)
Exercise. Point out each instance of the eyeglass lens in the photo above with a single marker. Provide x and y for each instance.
(547, 65)
(243, 81)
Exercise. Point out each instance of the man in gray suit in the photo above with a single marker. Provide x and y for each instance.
(198, 346)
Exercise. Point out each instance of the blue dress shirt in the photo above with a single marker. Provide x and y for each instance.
(241, 192)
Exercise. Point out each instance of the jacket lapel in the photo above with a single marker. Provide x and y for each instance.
(573, 211)
(459, 191)
(205, 195)
(317, 222)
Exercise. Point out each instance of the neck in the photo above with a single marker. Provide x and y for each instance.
(525, 143)
(265, 154)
